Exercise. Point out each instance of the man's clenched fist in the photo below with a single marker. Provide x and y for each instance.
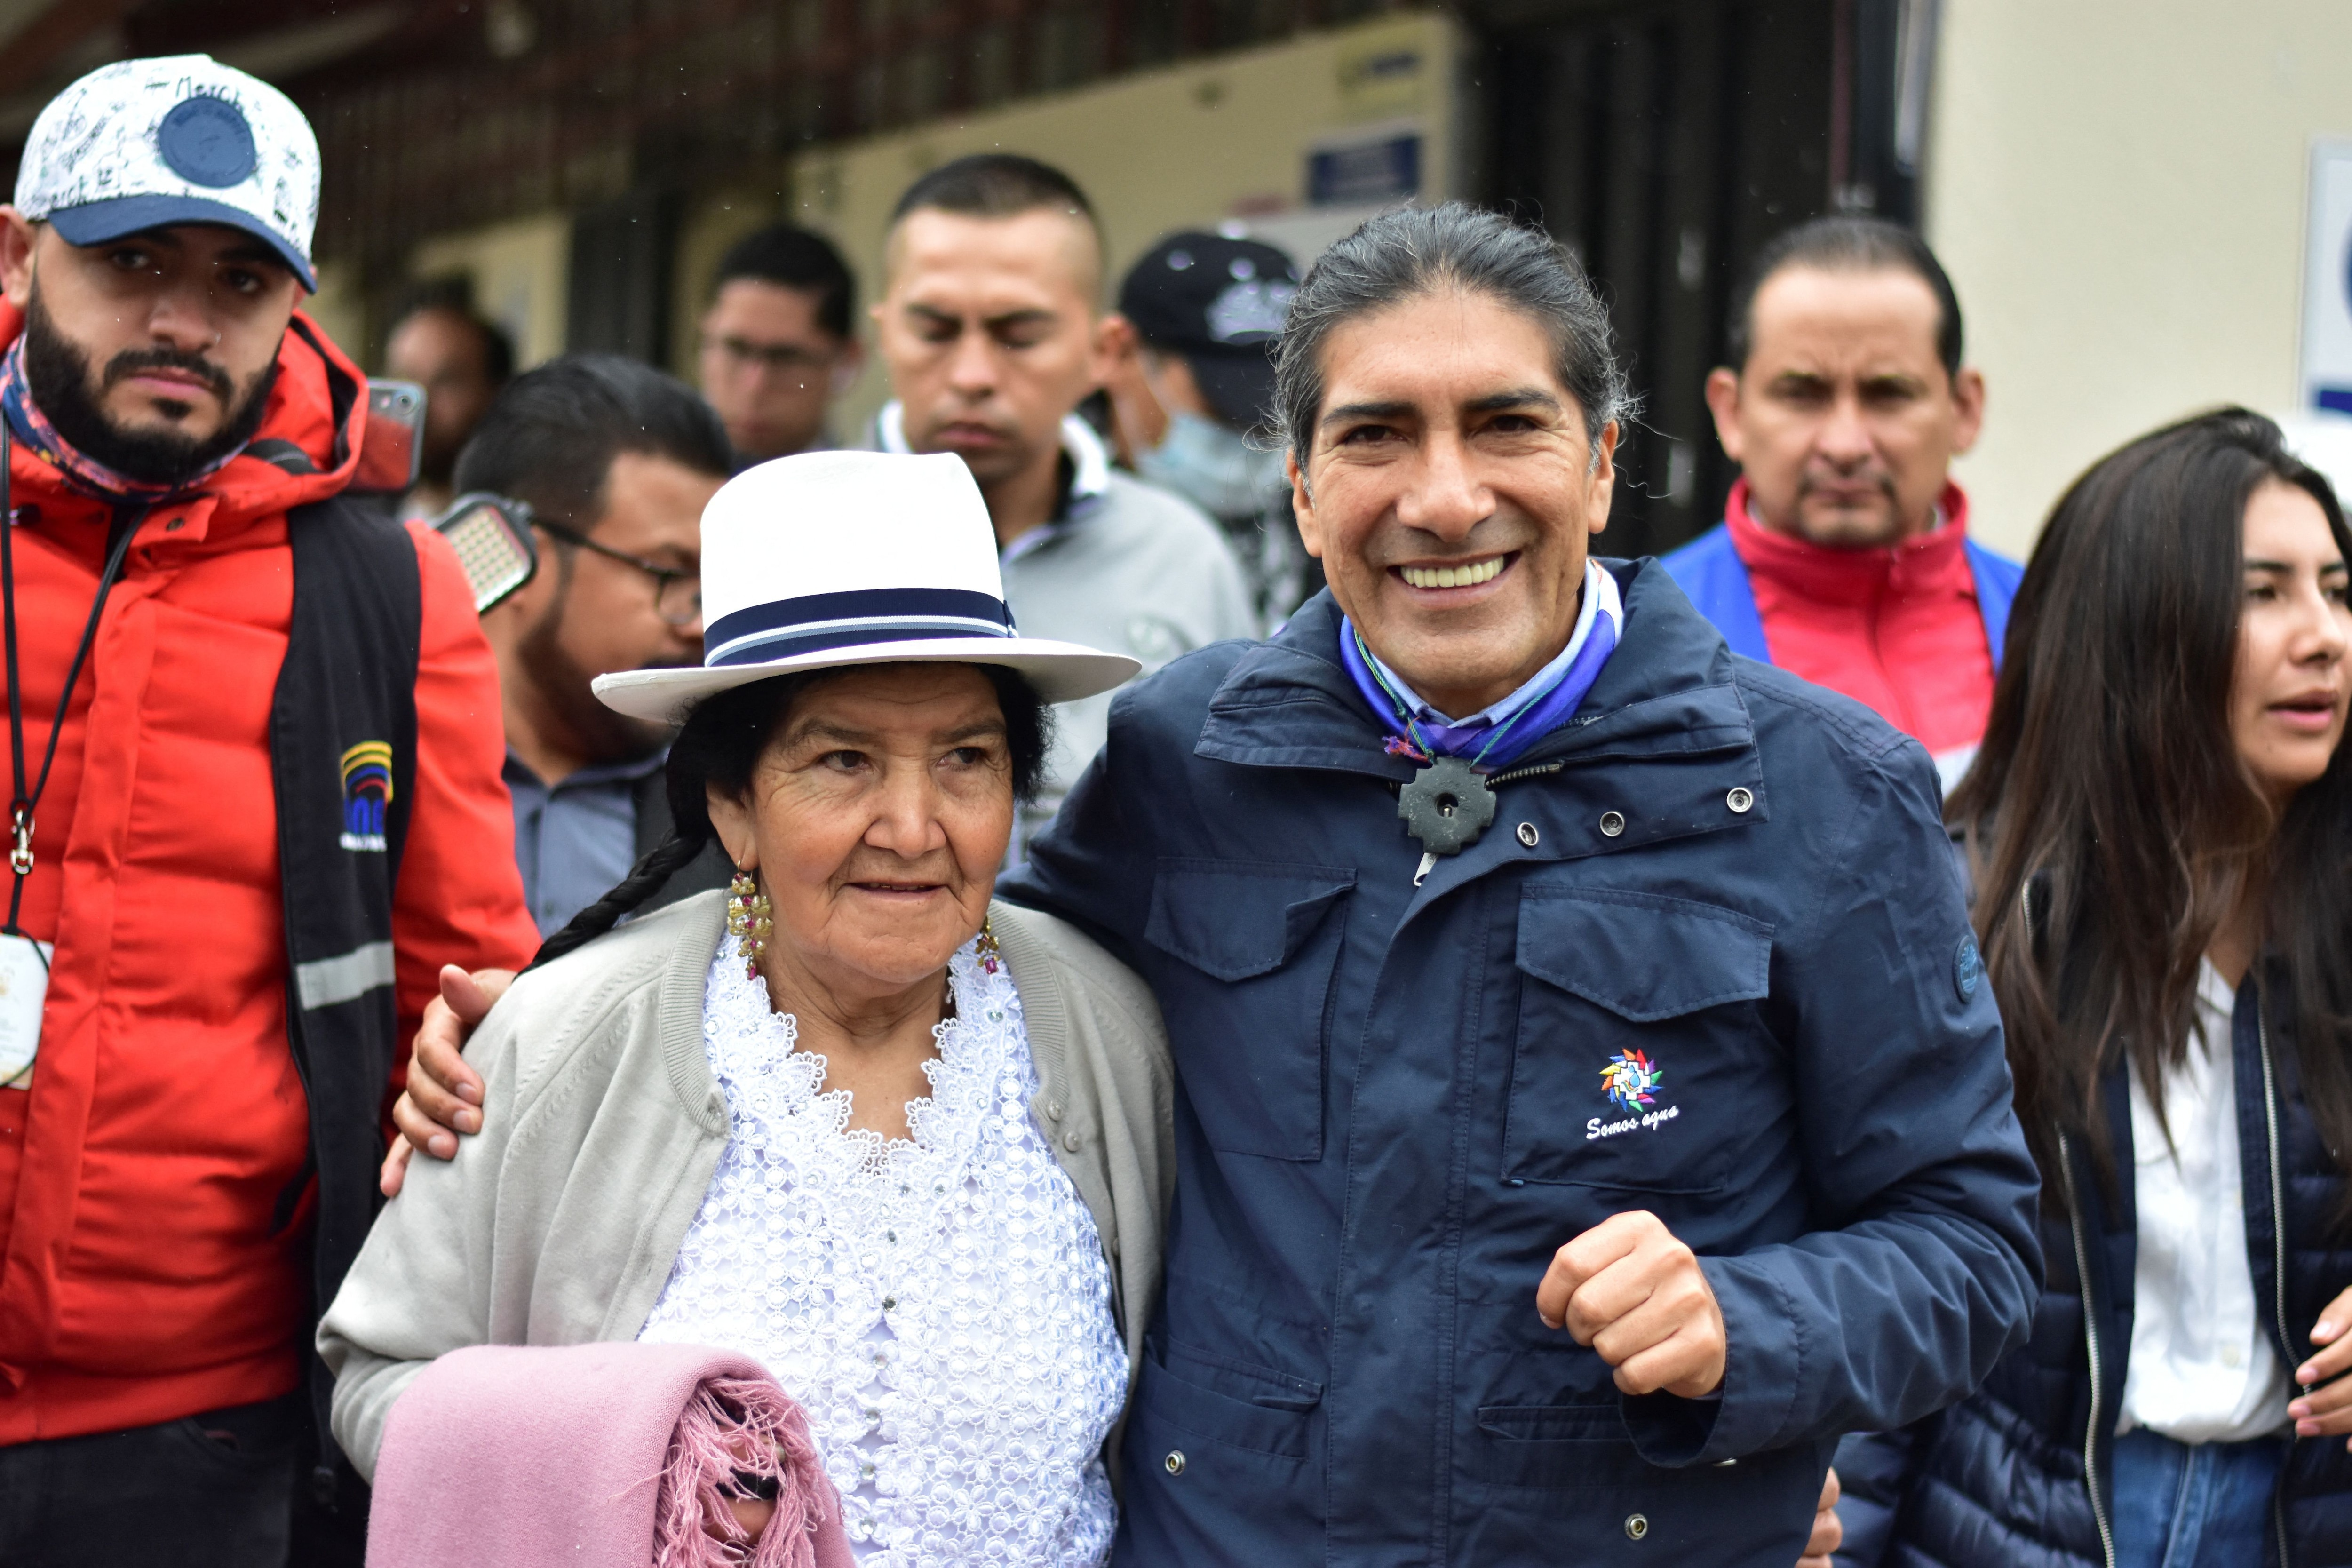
(1632, 1292)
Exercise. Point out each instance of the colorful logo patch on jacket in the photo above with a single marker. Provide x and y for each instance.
(367, 791)
(1631, 1077)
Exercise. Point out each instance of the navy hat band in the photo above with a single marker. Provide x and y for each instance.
(819, 623)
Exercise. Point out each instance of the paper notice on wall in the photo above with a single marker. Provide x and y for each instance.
(2328, 281)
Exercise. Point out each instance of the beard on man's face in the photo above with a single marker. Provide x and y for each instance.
(601, 734)
(58, 373)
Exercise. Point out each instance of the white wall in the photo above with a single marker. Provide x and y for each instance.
(2117, 188)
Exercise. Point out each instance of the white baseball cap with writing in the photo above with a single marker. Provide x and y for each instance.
(144, 144)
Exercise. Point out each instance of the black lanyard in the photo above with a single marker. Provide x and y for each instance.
(22, 801)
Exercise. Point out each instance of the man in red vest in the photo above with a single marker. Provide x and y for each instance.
(1843, 555)
(256, 805)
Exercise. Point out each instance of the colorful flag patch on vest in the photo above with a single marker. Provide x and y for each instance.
(367, 791)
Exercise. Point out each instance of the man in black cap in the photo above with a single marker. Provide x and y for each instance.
(1194, 378)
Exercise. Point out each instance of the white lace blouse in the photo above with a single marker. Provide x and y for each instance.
(940, 1306)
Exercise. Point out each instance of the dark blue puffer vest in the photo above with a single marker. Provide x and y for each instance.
(2018, 1473)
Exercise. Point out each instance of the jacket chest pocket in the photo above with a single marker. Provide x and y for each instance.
(1258, 944)
(1636, 1043)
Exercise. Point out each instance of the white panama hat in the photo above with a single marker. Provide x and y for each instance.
(832, 559)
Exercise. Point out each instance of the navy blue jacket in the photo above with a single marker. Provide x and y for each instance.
(2019, 1473)
(1392, 1105)
(1711, 573)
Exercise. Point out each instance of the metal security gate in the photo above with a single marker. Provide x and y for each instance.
(1666, 142)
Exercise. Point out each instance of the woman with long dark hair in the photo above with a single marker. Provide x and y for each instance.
(2159, 832)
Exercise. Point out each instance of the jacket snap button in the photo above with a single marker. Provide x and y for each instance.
(1052, 1110)
(1174, 1463)
(1071, 1142)
(1636, 1526)
(1612, 823)
(1528, 834)
(1740, 800)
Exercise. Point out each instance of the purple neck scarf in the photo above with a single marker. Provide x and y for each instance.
(1489, 747)
(84, 472)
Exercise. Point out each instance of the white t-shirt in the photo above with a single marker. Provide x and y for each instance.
(2202, 1369)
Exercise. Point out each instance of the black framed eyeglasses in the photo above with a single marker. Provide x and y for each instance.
(677, 596)
(776, 359)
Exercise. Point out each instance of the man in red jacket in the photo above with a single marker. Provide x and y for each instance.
(1843, 556)
(253, 767)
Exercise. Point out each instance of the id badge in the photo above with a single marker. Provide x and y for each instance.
(24, 986)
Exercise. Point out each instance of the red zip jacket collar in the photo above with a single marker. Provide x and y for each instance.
(1934, 562)
(1897, 626)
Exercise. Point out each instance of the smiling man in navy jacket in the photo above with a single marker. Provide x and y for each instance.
(1590, 1105)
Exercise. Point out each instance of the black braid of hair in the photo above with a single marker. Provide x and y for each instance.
(720, 744)
(645, 879)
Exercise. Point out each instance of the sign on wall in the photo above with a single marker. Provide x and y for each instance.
(2328, 281)
(1367, 164)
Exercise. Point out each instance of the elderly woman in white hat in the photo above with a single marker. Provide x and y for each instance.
(907, 1148)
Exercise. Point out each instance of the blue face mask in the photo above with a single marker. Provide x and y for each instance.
(1214, 469)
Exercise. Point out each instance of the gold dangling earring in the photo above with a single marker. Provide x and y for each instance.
(748, 921)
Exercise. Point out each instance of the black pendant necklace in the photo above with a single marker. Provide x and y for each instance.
(1446, 805)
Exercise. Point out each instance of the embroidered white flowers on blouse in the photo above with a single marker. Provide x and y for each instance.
(940, 1306)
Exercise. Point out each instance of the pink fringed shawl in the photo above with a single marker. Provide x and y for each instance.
(598, 1455)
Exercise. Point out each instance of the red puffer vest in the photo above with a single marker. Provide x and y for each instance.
(154, 1206)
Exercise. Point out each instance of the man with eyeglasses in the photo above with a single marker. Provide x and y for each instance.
(777, 344)
(616, 461)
